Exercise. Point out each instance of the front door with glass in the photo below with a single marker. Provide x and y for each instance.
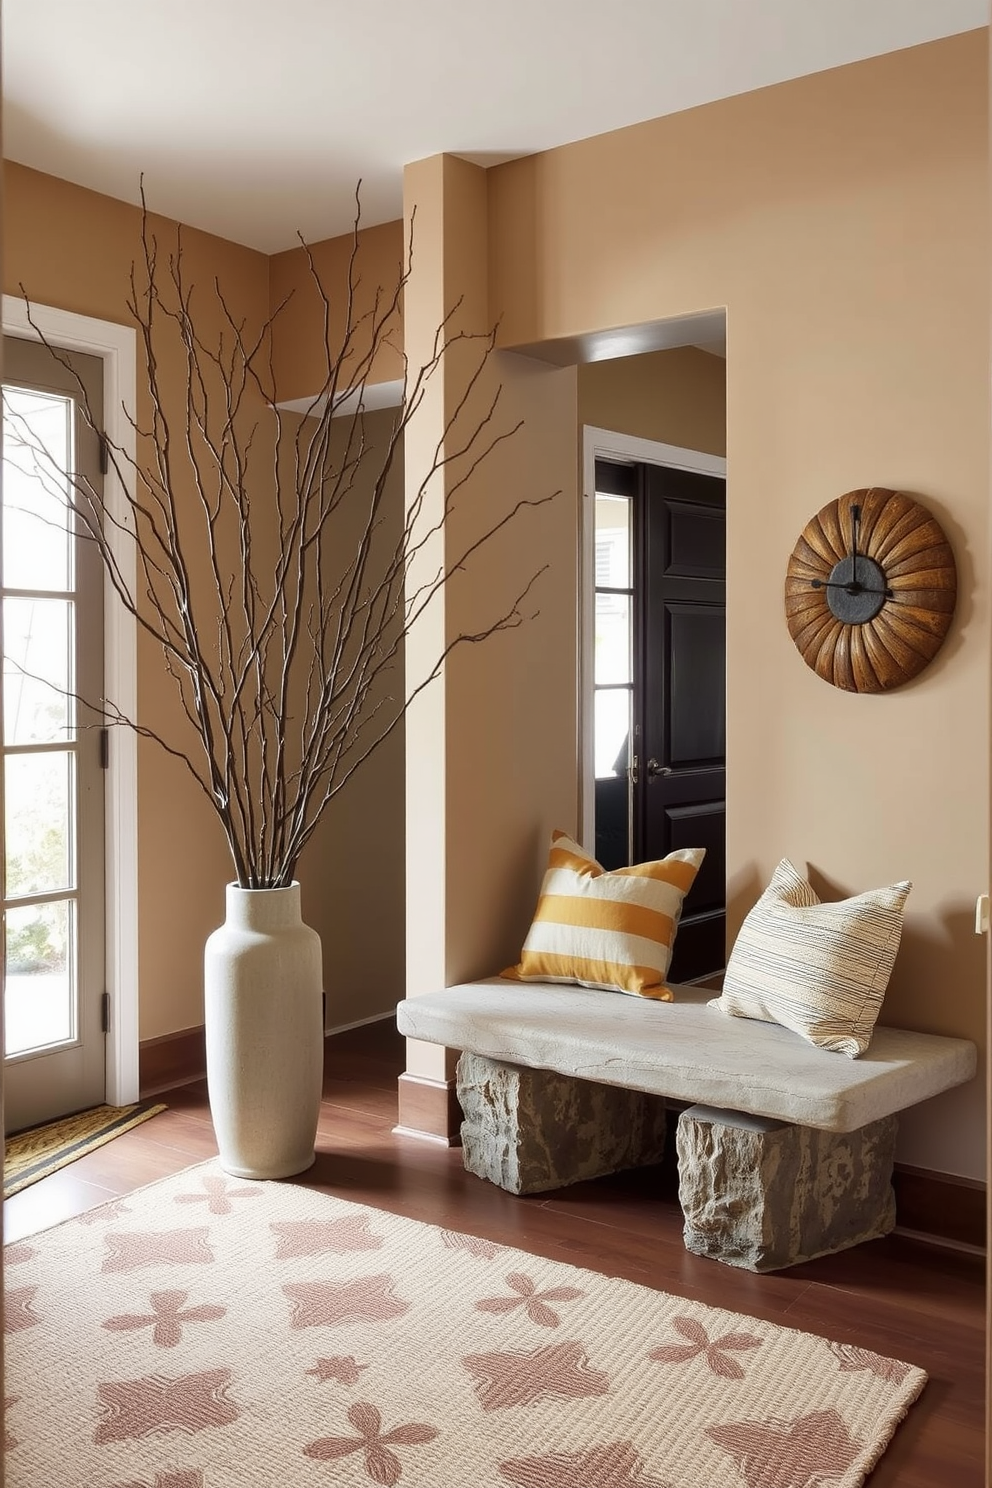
(659, 692)
(53, 754)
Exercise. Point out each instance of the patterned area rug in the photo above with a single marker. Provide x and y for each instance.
(34, 1154)
(208, 1332)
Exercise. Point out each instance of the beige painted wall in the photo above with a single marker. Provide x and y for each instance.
(300, 340)
(73, 248)
(352, 872)
(842, 220)
(674, 397)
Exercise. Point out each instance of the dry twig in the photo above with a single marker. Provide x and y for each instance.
(262, 567)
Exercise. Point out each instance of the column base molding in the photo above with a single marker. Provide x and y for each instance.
(429, 1109)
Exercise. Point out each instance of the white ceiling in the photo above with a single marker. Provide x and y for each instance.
(255, 118)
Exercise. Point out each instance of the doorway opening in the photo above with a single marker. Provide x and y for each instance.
(654, 670)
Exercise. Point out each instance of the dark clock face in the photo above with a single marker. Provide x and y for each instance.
(870, 590)
(856, 589)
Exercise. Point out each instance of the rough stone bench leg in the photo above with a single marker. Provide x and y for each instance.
(529, 1130)
(764, 1194)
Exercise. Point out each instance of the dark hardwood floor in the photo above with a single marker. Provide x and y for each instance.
(898, 1296)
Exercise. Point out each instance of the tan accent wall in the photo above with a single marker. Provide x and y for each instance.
(842, 221)
(352, 871)
(306, 327)
(674, 397)
(73, 248)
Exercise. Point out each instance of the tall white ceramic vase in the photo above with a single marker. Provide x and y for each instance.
(265, 1033)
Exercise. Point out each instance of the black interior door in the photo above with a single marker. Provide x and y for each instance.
(680, 787)
(665, 787)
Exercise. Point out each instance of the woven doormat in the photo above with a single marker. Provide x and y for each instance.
(34, 1154)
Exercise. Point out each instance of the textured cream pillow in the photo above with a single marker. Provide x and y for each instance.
(610, 930)
(819, 969)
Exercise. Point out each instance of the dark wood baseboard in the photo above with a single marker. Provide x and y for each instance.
(173, 1059)
(940, 1204)
(430, 1109)
(180, 1058)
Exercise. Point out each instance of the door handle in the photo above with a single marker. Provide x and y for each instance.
(654, 768)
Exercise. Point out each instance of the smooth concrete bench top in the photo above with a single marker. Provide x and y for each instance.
(688, 1051)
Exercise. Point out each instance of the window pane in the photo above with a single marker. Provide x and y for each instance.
(38, 998)
(612, 661)
(37, 640)
(36, 549)
(612, 732)
(612, 542)
(39, 842)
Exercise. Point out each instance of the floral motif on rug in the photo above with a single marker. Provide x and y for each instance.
(291, 1337)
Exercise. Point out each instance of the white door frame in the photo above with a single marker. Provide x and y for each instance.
(605, 444)
(116, 345)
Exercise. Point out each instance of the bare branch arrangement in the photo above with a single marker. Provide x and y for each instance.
(263, 571)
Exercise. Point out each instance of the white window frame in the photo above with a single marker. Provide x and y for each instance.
(116, 345)
(606, 444)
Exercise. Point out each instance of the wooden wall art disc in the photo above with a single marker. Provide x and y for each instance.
(916, 566)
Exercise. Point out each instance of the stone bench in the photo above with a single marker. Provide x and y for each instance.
(785, 1151)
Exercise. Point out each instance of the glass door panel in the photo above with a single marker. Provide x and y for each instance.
(39, 1000)
(613, 638)
(611, 721)
(37, 547)
(53, 785)
(40, 808)
(613, 665)
(37, 670)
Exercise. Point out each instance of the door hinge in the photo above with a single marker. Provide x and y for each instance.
(104, 749)
(104, 455)
(105, 1012)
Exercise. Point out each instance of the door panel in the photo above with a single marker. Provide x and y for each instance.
(694, 709)
(681, 798)
(54, 889)
(697, 536)
(703, 824)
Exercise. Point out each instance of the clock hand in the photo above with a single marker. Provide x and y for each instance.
(855, 587)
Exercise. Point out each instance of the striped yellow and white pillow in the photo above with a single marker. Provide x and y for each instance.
(819, 969)
(610, 930)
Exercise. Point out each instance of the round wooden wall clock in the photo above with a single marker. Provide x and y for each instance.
(870, 590)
